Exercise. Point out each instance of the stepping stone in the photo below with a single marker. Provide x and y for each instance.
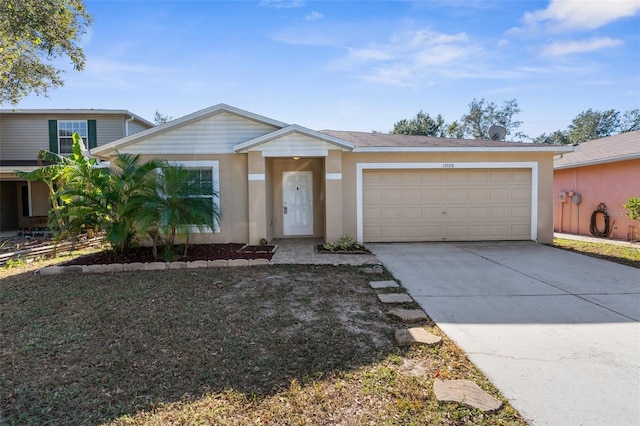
(375, 269)
(409, 315)
(416, 336)
(395, 298)
(466, 392)
(383, 284)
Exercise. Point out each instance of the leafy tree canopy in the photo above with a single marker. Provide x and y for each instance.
(482, 115)
(593, 124)
(32, 35)
(475, 124)
(422, 124)
(159, 118)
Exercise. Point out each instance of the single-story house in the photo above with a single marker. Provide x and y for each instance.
(602, 171)
(277, 180)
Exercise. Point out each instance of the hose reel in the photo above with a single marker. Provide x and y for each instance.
(593, 226)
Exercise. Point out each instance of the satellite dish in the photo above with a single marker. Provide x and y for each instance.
(497, 133)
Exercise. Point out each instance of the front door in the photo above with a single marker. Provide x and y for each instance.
(297, 203)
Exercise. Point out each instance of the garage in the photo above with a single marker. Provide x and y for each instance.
(446, 204)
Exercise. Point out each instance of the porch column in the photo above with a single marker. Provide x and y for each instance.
(333, 199)
(257, 197)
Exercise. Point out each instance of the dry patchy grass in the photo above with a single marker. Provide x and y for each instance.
(624, 255)
(262, 345)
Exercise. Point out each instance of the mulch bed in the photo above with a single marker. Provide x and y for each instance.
(194, 252)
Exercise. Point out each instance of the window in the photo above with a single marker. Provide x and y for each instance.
(205, 176)
(66, 129)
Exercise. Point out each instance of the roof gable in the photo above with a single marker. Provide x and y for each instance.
(621, 147)
(294, 140)
(213, 130)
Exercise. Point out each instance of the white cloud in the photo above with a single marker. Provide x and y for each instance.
(410, 56)
(282, 4)
(314, 16)
(566, 15)
(563, 48)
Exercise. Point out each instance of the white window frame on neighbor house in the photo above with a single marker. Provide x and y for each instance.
(214, 166)
(85, 136)
(533, 166)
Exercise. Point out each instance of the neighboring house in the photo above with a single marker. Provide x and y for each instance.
(23, 133)
(276, 180)
(605, 171)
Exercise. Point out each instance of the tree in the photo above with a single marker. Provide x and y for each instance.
(630, 121)
(590, 124)
(176, 206)
(33, 34)
(86, 197)
(422, 124)
(159, 118)
(63, 175)
(556, 138)
(482, 115)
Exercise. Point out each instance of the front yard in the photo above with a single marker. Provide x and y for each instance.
(258, 345)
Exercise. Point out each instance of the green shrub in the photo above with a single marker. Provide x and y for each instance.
(633, 208)
(345, 243)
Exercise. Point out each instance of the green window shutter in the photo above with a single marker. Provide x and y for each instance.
(53, 136)
(91, 130)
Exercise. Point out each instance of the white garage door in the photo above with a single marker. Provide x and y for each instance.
(446, 205)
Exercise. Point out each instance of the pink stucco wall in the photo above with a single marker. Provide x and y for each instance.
(610, 183)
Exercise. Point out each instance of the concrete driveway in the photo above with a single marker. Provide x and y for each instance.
(557, 332)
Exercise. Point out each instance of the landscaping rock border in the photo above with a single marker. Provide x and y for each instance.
(148, 266)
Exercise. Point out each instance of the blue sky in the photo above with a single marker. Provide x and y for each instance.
(358, 65)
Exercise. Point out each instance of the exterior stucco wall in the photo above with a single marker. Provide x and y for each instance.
(545, 180)
(233, 191)
(610, 183)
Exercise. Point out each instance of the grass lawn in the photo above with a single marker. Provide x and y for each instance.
(614, 253)
(260, 345)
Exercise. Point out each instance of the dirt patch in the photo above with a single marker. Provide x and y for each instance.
(23, 242)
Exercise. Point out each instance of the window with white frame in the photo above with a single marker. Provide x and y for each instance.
(205, 177)
(66, 129)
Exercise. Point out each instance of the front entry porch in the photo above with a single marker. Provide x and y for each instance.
(295, 197)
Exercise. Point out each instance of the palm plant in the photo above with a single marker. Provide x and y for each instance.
(179, 204)
(85, 196)
(76, 172)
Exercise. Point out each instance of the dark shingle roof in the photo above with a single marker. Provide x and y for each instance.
(371, 140)
(625, 146)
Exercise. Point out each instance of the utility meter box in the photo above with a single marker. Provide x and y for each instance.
(562, 197)
(577, 198)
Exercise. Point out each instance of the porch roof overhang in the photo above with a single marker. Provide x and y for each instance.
(294, 140)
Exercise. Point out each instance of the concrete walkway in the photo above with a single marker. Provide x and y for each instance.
(557, 332)
(303, 251)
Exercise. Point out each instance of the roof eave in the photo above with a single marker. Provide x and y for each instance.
(386, 149)
(635, 156)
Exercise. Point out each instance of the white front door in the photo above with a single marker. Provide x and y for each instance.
(297, 203)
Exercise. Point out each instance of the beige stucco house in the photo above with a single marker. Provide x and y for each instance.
(276, 180)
